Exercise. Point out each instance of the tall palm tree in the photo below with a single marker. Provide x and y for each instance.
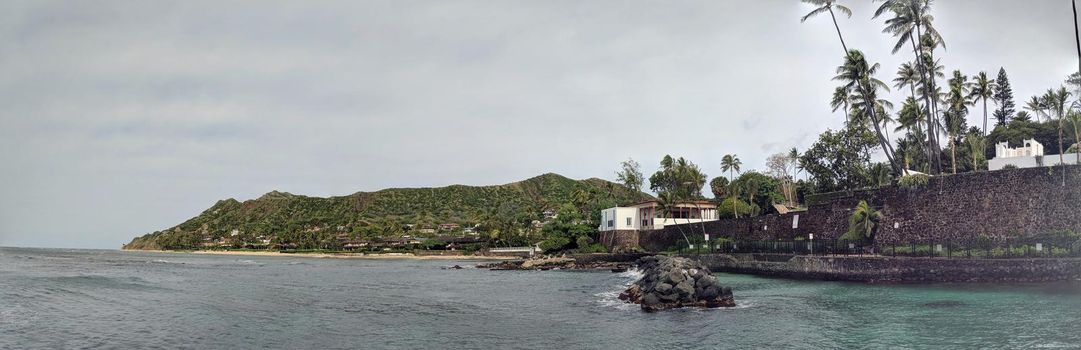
(907, 76)
(977, 146)
(824, 6)
(982, 89)
(908, 118)
(858, 75)
(828, 6)
(691, 180)
(911, 19)
(1056, 103)
(956, 112)
(730, 163)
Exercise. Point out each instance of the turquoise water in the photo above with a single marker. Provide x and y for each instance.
(108, 299)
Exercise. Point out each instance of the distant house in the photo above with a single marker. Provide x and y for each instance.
(1029, 155)
(449, 227)
(549, 214)
(648, 216)
(426, 230)
(355, 244)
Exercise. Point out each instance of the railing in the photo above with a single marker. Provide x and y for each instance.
(951, 249)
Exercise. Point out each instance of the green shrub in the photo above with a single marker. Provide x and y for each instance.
(583, 241)
(554, 243)
(914, 181)
(592, 248)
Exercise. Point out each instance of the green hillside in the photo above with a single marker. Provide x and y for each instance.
(306, 221)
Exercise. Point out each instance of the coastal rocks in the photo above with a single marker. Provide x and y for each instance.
(555, 263)
(549, 262)
(670, 283)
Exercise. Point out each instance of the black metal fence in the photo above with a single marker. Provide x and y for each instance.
(954, 249)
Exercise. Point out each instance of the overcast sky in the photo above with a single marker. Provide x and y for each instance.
(118, 118)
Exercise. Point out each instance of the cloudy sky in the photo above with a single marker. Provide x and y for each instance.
(119, 118)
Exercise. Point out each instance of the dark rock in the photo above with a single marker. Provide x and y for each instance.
(711, 292)
(669, 283)
(650, 299)
(685, 287)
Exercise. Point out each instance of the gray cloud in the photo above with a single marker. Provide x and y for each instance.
(121, 118)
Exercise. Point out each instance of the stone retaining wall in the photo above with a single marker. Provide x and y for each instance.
(996, 204)
(896, 269)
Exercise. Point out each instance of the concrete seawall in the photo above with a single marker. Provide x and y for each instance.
(878, 269)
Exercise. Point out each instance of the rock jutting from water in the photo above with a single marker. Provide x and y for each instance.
(670, 283)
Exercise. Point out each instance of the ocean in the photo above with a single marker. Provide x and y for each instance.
(100, 299)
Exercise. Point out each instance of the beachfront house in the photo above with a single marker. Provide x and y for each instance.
(648, 216)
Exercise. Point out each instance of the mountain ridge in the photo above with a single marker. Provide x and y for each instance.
(292, 218)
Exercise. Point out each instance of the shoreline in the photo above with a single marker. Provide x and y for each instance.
(385, 256)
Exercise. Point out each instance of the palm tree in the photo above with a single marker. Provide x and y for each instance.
(982, 89)
(1037, 106)
(908, 118)
(911, 19)
(879, 175)
(667, 202)
(1055, 101)
(907, 76)
(840, 99)
(863, 223)
(956, 112)
(828, 6)
(691, 180)
(1021, 116)
(977, 145)
(751, 186)
(1075, 119)
(731, 163)
(858, 74)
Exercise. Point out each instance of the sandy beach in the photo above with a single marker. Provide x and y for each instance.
(385, 256)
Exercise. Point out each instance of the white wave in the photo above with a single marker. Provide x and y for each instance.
(633, 274)
(611, 299)
(248, 262)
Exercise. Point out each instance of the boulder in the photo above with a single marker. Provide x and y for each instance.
(670, 282)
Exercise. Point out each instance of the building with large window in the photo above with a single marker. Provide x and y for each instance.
(650, 216)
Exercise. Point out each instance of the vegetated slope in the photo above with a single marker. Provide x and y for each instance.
(289, 218)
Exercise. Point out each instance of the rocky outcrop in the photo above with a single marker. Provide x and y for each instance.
(670, 283)
(555, 263)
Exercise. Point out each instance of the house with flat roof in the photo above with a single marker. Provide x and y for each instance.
(649, 216)
(1029, 155)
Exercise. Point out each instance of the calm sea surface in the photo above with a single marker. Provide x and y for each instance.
(108, 299)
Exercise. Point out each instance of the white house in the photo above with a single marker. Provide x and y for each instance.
(1030, 155)
(648, 216)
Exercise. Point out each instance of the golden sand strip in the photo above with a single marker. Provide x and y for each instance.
(384, 256)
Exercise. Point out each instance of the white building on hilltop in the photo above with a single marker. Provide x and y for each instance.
(648, 216)
(1030, 155)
